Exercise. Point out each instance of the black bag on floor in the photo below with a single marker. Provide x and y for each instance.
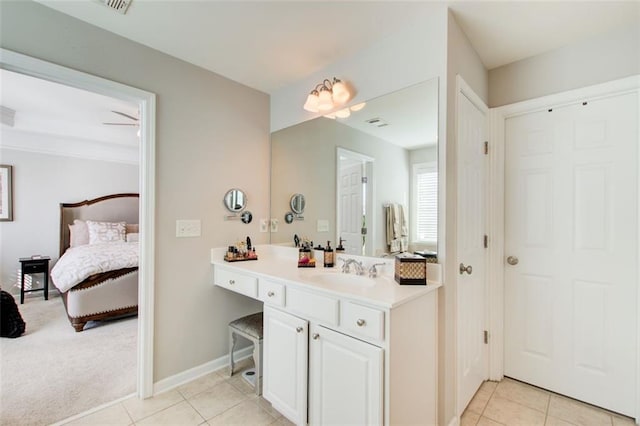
(11, 323)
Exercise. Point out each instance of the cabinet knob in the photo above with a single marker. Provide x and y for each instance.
(361, 322)
(299, 329)
(232, 282)
(271, 294)
(315, 336)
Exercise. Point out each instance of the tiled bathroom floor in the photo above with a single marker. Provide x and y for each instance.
(510, 402)
(216, 399)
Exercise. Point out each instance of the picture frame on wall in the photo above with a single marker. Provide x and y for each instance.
(6, 193)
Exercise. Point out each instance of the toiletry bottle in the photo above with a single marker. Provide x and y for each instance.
(328, 256)
(340, 249)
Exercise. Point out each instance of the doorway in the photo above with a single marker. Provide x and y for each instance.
(569, 263)
(354, 202)
(23, 64)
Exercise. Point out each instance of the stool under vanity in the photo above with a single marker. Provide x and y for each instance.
(341, 348)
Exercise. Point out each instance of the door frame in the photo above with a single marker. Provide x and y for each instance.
(498, 117)
(146, 101)
(463, 88)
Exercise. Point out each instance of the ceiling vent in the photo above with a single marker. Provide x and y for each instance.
(119, 6)
(7, 116)
(378, 122)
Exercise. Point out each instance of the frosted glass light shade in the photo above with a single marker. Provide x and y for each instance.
(358, 107)
(325, 103)
(343, 113)
(311, 104)
(340, 92)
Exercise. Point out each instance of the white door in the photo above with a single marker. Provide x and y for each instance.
(345, 380)
(285, 364)
(471, 220)
(571, 229)
(351, 208)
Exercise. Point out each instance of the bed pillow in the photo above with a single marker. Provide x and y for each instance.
(106, 232)
(78, 233)
(132, 237)
(132, 228)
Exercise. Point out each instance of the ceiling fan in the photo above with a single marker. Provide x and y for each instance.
(131, 117)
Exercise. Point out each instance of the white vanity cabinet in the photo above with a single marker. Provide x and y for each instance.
(342, 356)
(345, 379)
(285, 345)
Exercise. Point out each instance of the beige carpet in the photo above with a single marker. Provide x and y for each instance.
(51, 372)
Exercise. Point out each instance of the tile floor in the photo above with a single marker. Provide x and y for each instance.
(510, 402)
(216, 399)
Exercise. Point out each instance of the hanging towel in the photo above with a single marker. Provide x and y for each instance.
(396, 228)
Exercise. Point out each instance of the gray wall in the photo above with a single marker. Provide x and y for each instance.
(203, 122)
(596, 60)
(41, 182)
(304, 161)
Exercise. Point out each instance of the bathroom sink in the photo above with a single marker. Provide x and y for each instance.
(338, 278)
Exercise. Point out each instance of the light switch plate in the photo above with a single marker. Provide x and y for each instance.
(274, 225)
(264, 225)
(322, 225)
(188, 228)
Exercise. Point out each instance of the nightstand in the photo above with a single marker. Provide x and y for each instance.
(30, 266)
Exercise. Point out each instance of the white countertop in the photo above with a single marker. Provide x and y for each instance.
(280, 263)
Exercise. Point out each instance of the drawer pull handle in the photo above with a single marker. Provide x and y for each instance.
(232, 282)
(361, 322)
(271, 294)
(315, 336)
(299, 329)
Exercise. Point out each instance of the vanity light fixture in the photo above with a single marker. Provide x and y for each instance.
(346, 112)
(327, 95)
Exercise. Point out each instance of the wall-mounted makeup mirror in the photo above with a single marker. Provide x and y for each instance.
(297, 203)
(354, 168)
(235, 200)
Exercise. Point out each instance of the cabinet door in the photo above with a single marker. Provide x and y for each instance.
(285, 364)
(345, 379)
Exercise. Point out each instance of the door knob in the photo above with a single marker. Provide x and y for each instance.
(299, 329)
(468, 269)
(512, 260)
(315, 336)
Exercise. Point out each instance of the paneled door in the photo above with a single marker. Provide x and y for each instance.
(472, 350)
(571, 250)
(351, 208)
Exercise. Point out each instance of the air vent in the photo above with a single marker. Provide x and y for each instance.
(119, 6)
(7, 116)
(378, 122)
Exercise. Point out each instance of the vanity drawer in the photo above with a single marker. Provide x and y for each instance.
(271, 292)
(362, 320)
(315, 306)
(236, 281)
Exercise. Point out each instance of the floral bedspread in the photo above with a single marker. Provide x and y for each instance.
(79, 263)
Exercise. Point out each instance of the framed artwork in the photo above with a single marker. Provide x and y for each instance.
(6, 193)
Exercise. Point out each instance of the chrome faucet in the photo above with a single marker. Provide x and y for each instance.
(348, 262)
(373, 272)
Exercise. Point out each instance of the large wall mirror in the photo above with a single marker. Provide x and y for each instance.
(369, 179)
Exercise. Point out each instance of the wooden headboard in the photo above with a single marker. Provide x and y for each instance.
(110, 208)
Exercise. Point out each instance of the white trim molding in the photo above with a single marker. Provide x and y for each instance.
(498, 117)
(146, 101)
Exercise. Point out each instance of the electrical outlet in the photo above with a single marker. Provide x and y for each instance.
(274, 225)
(264, 225)
(322, 225)
(187, 228)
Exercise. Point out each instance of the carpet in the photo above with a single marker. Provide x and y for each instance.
(51, 372)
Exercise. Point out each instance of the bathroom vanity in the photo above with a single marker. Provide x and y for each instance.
(341, 348)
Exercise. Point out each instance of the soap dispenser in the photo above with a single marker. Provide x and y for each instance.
(328, 256)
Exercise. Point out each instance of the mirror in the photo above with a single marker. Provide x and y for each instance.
(354, 168)
(297, 203)
(235, 200)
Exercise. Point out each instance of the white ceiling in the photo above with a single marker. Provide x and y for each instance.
(268, 45)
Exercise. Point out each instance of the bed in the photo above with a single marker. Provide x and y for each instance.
(97, 273)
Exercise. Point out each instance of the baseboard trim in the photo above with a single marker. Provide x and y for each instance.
(455, 421)
(191, 374)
